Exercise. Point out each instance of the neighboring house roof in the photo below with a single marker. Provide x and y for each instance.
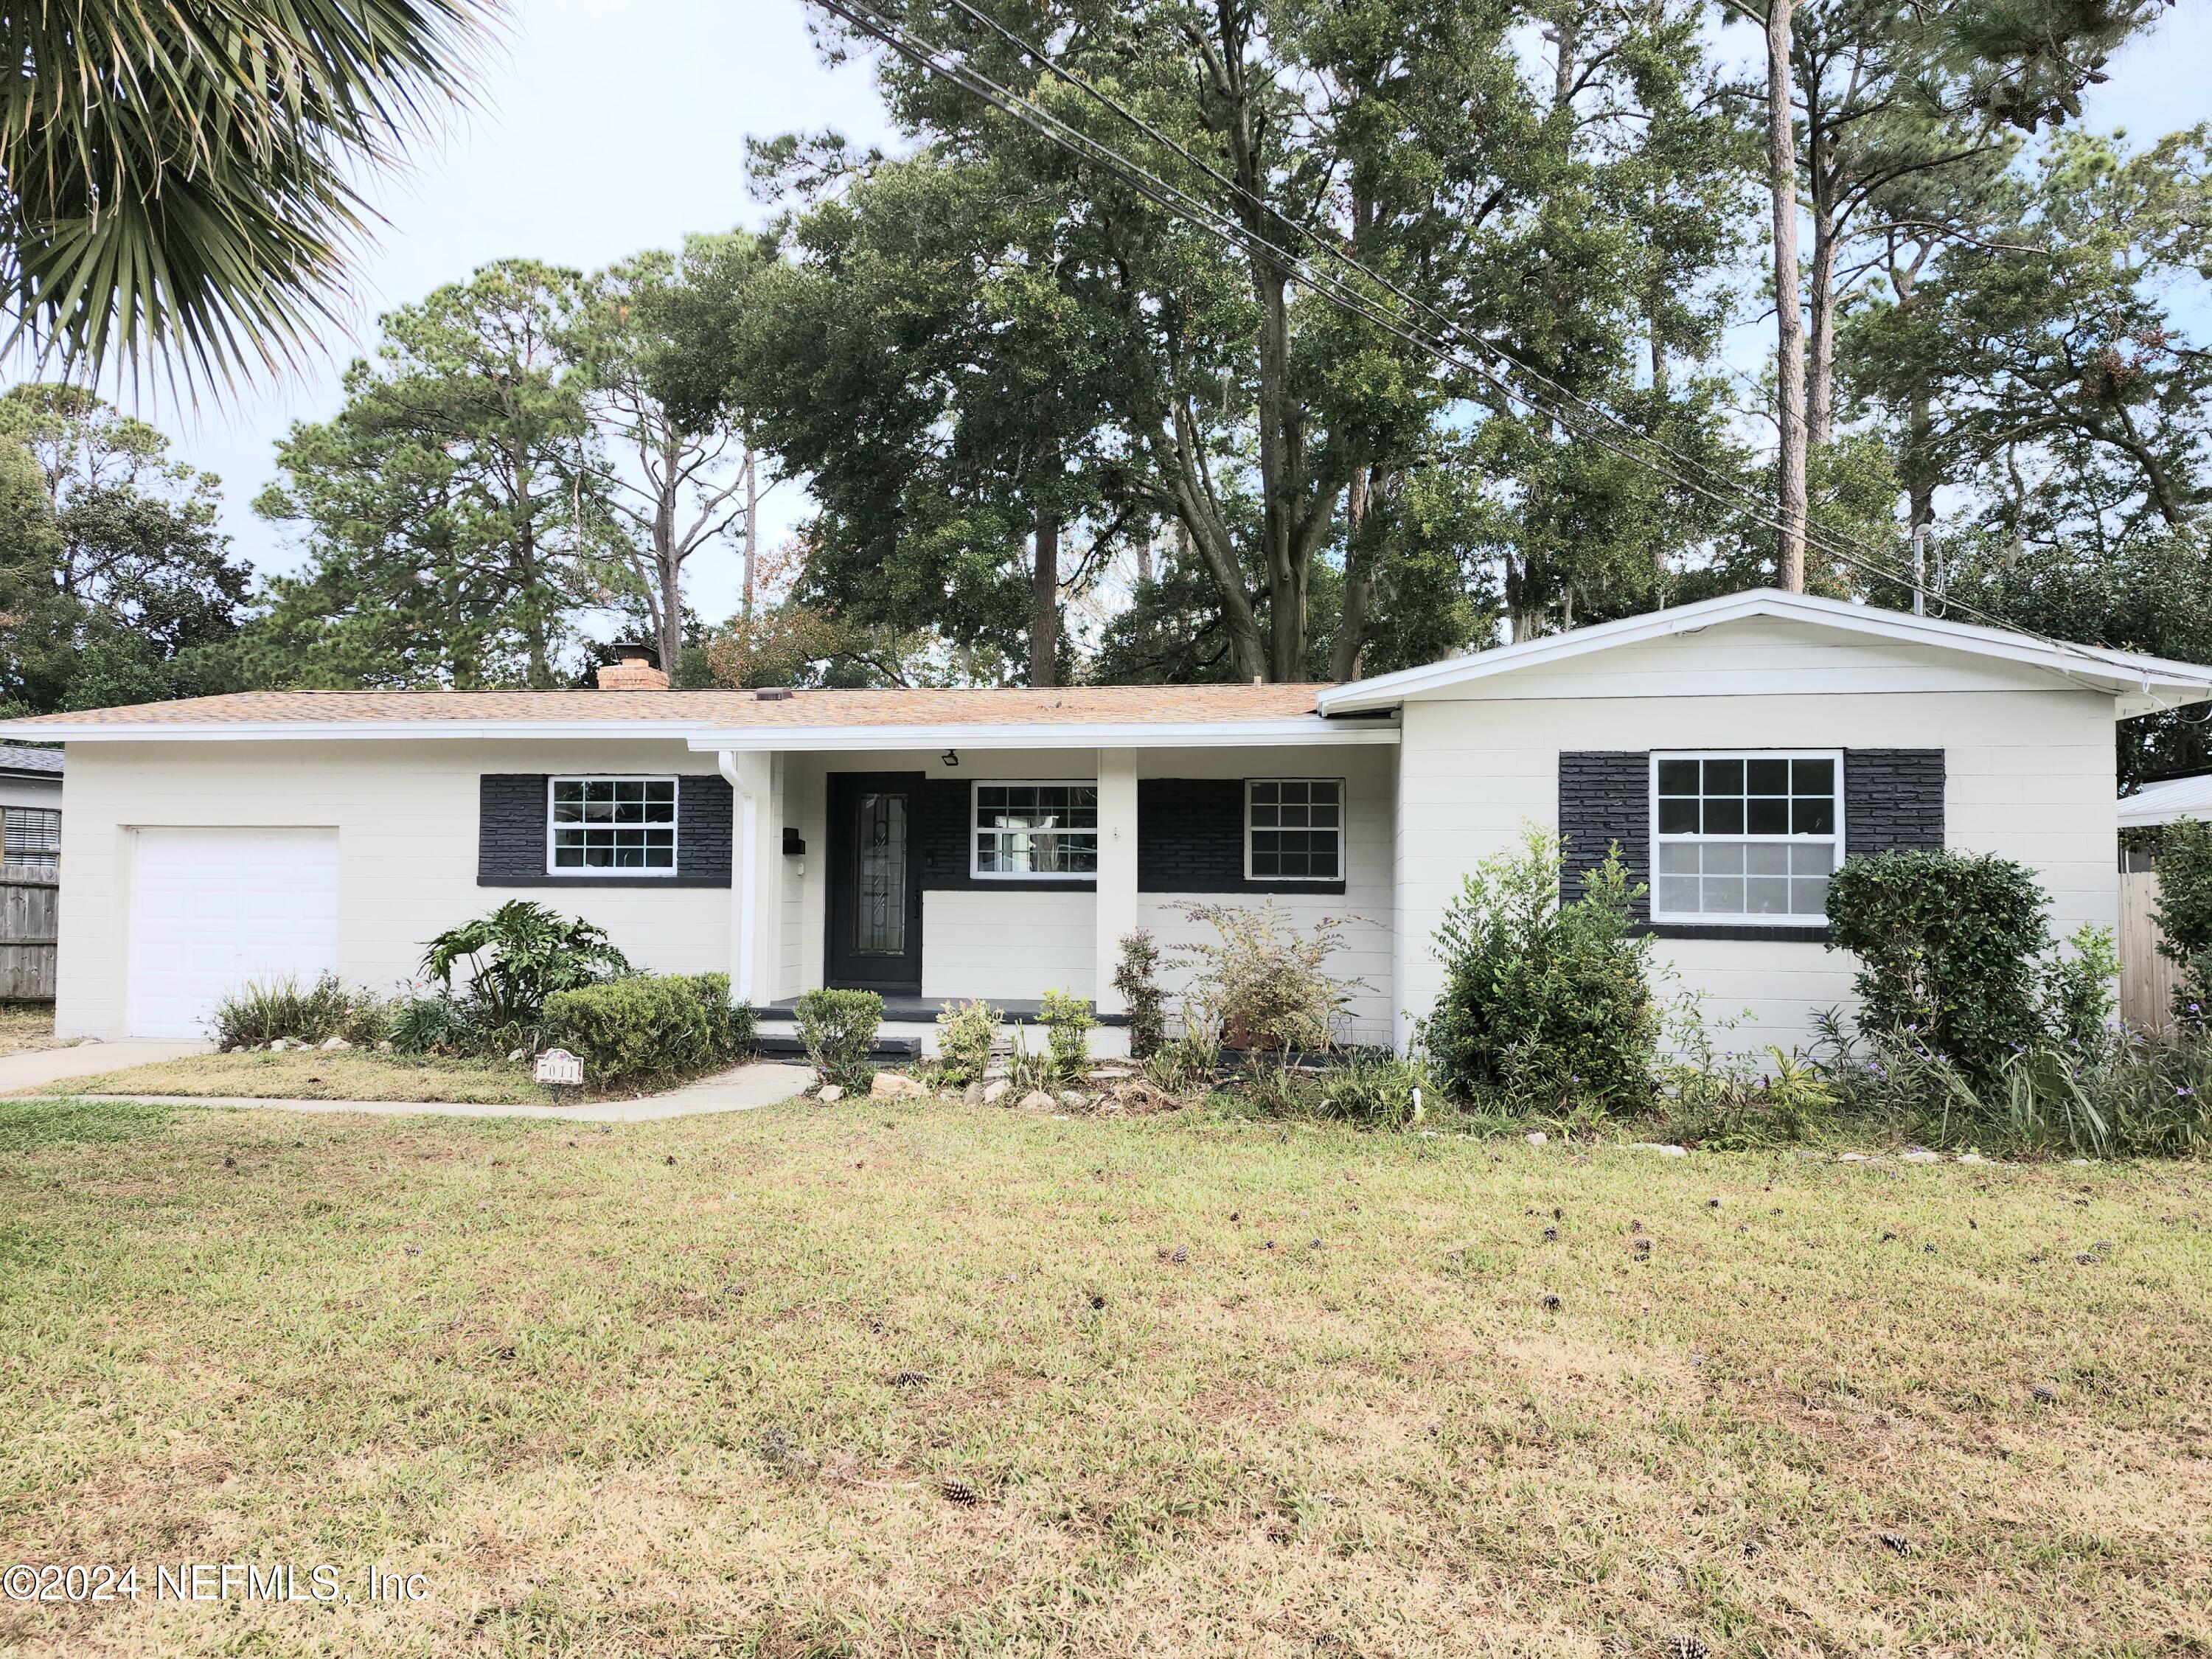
(42, 763)
(2164, 801)
(2143, 684)
(1069, 716)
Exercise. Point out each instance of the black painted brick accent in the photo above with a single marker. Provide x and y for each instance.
(1893, 799)
(1605, 797)
(946, 866)
(511, 835)
(1190, 839)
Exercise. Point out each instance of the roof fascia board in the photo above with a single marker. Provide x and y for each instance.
(708, 739)
(2119, 671)
(282, 731)
(1209, 734)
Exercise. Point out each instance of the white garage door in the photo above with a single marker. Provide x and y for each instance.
(213, 908)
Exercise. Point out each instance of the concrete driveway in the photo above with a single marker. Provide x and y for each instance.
(37, 1066)
(763, 1082)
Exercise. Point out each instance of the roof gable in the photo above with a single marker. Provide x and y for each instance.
(2140, 684)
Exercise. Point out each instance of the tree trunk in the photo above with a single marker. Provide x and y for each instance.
(752, 528)
(1044, 602)
(1821, 347)
(1790, 322)
(1358, 581)
(668, 566)
(1286, 614)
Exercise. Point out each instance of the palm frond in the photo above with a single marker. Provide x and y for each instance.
(181, 177)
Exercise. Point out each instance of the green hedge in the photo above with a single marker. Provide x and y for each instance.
(839, 1030)
(649, 1027)
(1948, 944)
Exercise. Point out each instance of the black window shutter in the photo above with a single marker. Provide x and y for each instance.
(1605, 797)
(511, 835)
(511, 828)
(1893, 799)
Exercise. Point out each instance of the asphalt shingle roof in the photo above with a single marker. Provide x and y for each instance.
(1165, 705)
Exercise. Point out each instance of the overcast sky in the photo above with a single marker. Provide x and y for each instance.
(607, 129)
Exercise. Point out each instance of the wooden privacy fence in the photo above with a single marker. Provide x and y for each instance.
(2146, 977)
(30, 917)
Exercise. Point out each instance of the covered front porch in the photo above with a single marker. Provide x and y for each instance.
(998, 866)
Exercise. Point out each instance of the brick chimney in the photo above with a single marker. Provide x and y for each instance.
(632, 670)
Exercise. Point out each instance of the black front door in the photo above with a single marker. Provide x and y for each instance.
(875, 881)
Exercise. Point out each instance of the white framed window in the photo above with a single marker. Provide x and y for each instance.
(1294, 829)
(1025, 831)
(1748, 837)
(610, 827)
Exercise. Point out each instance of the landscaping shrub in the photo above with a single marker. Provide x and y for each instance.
(729, 1024)
(839, 1030)
(1067, 1023)
(643, 1027)
(1544, 1005)
(965, 1036)
(1265, 983)
(1734, 1103)
(2184, 916)
(261, 1012)
(1187, 1063)
(1136, 976)
(2080, 991)
(1377, 1092)
(520, 955)
(1948, 945)
(2138, 1094)
(440, 1025)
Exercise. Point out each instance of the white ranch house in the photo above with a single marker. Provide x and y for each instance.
(937, 845)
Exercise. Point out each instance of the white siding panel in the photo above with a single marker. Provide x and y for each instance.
(2031, 777)
(1007, 946)
(406, 818)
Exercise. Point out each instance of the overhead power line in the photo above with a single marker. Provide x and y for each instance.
(945, 65)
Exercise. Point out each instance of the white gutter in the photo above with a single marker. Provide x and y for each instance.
(375, 731)
(741, 991)
(1297, 731)
(1300, 732)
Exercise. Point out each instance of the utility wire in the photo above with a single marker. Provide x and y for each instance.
(1298, 267)
(942, 63)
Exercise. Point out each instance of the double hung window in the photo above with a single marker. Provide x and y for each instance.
(611, 826)
(1748, 838)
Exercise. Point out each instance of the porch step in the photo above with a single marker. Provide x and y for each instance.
(781, 1045)
(923, 1010)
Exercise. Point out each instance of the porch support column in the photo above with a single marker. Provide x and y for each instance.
(1117, 868)
(756, 876)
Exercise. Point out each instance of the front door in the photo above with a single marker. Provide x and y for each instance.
(875, 886)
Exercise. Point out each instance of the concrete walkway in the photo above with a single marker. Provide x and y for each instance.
(37, 1066)
(763, 1082)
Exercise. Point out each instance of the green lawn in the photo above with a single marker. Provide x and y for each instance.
(703, 1387)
